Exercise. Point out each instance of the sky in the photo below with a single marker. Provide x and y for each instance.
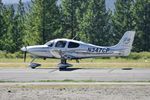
(13, 1)
(109, 3)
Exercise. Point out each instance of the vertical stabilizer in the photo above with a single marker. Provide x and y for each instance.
(126, 42)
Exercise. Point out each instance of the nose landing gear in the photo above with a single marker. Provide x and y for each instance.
(34, 65)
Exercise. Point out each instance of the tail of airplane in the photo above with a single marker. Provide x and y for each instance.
(125, 44)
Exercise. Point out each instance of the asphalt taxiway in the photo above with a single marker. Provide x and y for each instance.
(106, 74)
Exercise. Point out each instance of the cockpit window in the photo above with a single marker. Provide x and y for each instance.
(60, 44)
(73, 45)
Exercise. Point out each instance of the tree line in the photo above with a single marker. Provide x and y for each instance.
(88, 21)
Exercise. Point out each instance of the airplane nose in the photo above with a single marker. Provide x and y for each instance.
(24, 49)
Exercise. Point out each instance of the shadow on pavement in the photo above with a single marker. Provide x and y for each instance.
(69, 69)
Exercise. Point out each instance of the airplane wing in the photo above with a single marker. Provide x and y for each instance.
(62, 54)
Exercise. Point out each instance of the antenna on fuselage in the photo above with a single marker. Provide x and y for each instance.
(74, 36)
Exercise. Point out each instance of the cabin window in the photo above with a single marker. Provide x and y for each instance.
(60, 44)
(73, 45)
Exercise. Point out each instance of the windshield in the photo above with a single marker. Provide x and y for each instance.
(60, 44)
(49, 42)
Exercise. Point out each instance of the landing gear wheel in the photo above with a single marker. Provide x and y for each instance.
(63, 65)
(61, 69)
(34, 65)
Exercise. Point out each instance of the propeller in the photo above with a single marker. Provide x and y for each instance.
(25, 55)
(24, 49)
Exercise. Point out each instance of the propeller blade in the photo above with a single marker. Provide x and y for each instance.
(25, 54)
(24, 49)
(77, 60)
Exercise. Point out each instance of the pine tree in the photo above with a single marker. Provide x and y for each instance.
(84, 15)
(42, 22)
(69, 18)
(13, 36)
(2, 24)
(33, 24)
(123, 18)
(9, 14)
(50, 20)
(98, 22)
(142, 15)
(18, 27)
(89, 20)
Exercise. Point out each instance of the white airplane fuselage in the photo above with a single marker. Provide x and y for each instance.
(79, 50)
(65, 49)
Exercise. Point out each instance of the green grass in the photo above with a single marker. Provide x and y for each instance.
(86, 63)
(135, 60)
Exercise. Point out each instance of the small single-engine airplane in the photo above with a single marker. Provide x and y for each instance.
(65, 49)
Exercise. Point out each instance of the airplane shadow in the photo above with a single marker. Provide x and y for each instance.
(73, 69)
(67, 69)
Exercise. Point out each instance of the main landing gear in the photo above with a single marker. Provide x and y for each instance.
(63, 65)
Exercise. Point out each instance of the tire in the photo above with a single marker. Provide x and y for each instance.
(33, 67)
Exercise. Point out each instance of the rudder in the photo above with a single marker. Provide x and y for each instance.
(126, 42)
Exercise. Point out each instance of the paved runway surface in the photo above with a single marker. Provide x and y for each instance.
(108, 74)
